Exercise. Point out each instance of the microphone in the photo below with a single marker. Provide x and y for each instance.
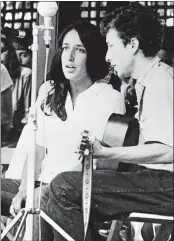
(47, 10)
(15, 32)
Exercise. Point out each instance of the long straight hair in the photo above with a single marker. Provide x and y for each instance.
(95, 46)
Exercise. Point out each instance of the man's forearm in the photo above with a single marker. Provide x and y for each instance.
(142, 154)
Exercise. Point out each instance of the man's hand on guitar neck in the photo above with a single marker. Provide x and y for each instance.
(100, 151)
(156, 153)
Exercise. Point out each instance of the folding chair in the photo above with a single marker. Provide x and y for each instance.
(163, 234)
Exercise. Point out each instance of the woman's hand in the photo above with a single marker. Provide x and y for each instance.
(16, 203)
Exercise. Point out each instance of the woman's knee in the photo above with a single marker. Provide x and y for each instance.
(67, 180)
(61, 180)
(59, 187)
(64, 188)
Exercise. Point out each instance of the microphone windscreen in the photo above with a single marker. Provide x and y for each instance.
(47, 9)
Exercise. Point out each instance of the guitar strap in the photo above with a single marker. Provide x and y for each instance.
(87, 190)
(87, 152)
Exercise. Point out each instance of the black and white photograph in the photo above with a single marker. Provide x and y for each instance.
(87, 120)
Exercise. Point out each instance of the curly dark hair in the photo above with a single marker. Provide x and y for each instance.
(137, 21)
(97, 68)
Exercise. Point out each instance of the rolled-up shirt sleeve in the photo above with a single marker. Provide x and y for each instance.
(161, 132)
(157, 126)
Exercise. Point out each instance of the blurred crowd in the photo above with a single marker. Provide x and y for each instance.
(167, 49)
(16, 62)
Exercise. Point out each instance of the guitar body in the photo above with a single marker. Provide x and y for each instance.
(121, 131)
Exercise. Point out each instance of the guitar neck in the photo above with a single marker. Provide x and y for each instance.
(108, 76)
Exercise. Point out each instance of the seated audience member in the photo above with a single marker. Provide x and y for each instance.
(6, 104)
(166, 53)
(133, 36)
(21, 77)
(77, 97)
(9, 57)
(23, 52)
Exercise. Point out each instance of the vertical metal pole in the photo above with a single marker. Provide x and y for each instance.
(32, 150)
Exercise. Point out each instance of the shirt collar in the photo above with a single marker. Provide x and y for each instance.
(89, 92)
(143, 80)
(95, 89)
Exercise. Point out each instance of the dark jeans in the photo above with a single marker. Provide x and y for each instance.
(113, 194)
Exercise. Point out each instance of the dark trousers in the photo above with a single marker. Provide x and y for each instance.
(113, 194)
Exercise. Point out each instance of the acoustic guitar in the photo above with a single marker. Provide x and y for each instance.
(120, 131)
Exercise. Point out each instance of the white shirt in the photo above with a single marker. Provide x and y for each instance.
(156, 120)
(92, 110)
(6, 80)
(22, 90)
(6, 100)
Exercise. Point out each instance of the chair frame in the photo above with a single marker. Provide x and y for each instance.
(162, 235)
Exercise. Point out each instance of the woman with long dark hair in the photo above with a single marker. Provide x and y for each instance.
(77, 97)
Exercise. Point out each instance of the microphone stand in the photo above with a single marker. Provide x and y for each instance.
(26, 214)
